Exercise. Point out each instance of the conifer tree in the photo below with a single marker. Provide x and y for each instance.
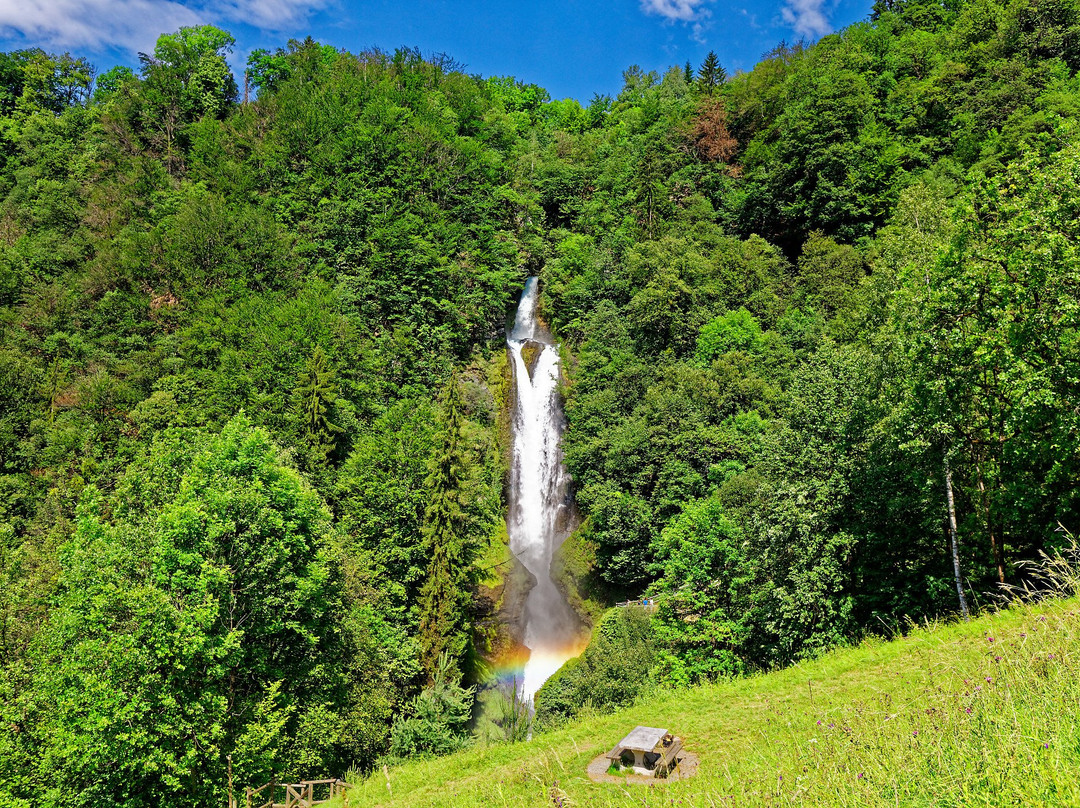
(711, 75)
(443, 597)
(313, 399)
(438, 723)
(688, 73)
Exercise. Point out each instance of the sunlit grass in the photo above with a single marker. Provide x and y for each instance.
(980, 713)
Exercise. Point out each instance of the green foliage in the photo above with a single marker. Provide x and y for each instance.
(181, 636)
(382, 498)
(259, 752)
(829, 274)
(523, 103)
(573, 283)
(315, 397)
(32, 80)
(437, 719)
(179, 259)
(997, 299)
(448, 544)
(733, 331)
(828, 389)
(504, 716)
(621, 524)
(706, 593)
(111, 81)
(268, 71)
(611, 672)
(191, 66)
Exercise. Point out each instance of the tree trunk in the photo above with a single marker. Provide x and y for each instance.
(955, 543)
(995, 544)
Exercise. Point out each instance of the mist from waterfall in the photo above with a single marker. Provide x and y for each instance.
(539, 512)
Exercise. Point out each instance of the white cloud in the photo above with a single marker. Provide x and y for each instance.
(807, 17)
(271, 15)
(691, 13)
(751, 19)
(681, 10)
(92, 24)
(136, 24)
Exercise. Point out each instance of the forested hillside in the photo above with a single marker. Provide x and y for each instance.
(252, 383)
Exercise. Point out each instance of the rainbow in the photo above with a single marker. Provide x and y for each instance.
(528, 669)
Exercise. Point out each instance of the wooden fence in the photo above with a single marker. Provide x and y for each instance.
(643, 603)
(296, 795)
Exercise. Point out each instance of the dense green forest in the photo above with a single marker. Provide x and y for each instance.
(252, 383)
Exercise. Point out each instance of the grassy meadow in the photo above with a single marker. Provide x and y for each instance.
(979, 713)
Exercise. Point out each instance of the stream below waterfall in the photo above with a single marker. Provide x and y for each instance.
(540, 511)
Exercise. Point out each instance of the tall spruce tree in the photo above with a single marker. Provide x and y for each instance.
(711, 75)
(443, 598)
(313, 399)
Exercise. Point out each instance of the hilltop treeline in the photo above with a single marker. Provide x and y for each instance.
(250, 458)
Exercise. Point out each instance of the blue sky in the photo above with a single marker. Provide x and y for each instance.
(574, 48)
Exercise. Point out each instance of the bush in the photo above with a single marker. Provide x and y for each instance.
(610, 673)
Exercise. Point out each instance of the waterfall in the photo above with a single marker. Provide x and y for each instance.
(539, 511)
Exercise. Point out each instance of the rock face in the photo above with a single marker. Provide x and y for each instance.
(504, 624)
(530, 353)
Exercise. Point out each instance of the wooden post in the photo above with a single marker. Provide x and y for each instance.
(231, 803)
(291, 797)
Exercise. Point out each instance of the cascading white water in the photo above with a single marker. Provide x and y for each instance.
(539, 507)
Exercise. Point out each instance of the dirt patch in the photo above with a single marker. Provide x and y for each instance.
(598, 772)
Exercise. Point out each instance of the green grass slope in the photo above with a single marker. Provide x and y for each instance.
(981, 713)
